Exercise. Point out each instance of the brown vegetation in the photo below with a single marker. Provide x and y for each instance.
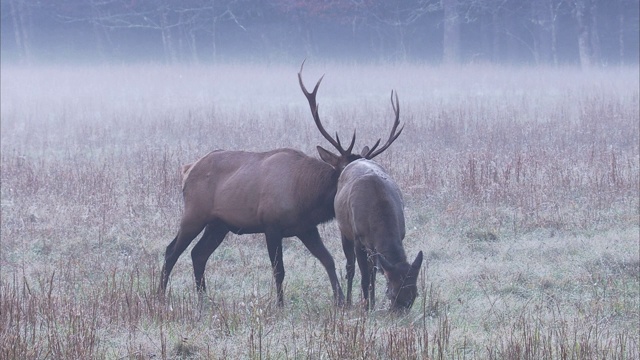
(521, 187)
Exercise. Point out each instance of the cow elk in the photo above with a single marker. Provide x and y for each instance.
(370, 213)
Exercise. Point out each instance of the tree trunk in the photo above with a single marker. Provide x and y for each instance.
(542, 39)
(214, 43)
(495, 32)
(19, 14)
(451, 40)
(487, 38)
(307, 36)
(594, 35)
(621, 35)
(97, 36)
(193, 46)
(402, 47)
(553, 13)
(167, 39)
(582, 20)
(538, 33)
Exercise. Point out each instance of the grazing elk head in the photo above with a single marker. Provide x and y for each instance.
(402, 278)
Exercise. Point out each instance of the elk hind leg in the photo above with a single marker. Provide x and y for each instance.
(350, 255)
(373, 268)
(186, 234)
(213, 235)
(365, 273)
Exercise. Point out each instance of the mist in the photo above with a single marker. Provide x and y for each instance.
(588, 33)
(519, 166)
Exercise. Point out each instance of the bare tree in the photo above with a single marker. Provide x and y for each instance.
(21, 18)
(540, 21)
(540, 31)
(100, 32)
(588, 41)
(621, 31)
(169, 18)
(451, 40)
(219, 11)
(403, 16)
(553, 7)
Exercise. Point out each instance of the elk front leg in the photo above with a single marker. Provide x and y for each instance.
(313, 242)
(213, 235)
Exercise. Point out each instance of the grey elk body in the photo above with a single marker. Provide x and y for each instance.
(370, 214)
(280, 193)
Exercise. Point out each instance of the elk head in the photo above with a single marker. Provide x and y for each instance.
(402, 280)
(345, 156)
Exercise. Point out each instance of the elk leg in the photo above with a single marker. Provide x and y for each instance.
(363, 264)
(213, 235)
(313, 242)
(186, 234)
(274, 245)
(372, 285)
(350, 255)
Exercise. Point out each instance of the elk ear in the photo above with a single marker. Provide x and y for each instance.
(417, 263)
(185, 169)
(328, 157)
(364, 151)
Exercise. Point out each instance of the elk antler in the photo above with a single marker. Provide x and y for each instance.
(393, 136)
(311, 98)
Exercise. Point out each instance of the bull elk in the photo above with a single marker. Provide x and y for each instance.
(280, 193)
(370, 213)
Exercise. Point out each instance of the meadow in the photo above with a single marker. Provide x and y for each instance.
(521, 188)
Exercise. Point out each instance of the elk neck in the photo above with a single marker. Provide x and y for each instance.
(318, 184)
(392, 251)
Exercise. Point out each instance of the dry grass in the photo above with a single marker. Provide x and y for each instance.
(521, 187)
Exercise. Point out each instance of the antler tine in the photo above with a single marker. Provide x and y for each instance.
(373, 147)
(311, 98)
(353, 141)
(393, 135)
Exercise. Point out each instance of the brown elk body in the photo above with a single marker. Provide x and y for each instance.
(370, 213)
(280, 193)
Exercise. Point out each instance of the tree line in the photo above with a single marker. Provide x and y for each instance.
(540, 32)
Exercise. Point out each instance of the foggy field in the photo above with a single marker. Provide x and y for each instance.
(521, 187)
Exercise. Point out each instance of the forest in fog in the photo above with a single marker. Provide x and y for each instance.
(589, 33)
